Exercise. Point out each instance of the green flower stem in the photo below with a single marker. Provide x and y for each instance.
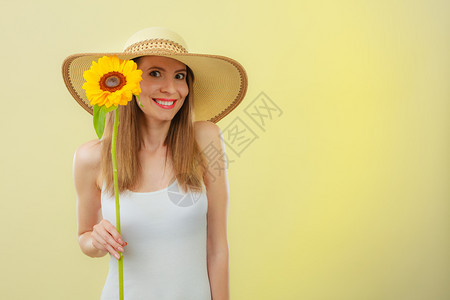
(116, 194)
(139, 99)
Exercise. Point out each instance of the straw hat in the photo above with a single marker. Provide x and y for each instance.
(220, 83)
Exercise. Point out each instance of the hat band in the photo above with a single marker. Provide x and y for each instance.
(158, 45)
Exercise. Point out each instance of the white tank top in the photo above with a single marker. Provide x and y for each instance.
(165, 258)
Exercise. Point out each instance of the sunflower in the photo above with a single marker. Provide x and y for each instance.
(112, 81)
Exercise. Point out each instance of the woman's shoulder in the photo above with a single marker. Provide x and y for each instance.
(87, 159)
(89, 153)
(206, 132)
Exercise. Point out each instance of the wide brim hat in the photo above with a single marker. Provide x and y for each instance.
(220, 83)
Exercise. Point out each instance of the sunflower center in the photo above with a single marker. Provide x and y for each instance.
(112, 81)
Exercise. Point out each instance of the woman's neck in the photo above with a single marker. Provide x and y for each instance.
(154, 134)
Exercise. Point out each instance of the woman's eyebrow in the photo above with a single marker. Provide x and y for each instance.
(159, 68)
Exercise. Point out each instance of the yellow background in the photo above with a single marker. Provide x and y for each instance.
(343, 196)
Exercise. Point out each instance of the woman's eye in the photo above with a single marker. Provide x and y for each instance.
(180, 76)
(152, 73)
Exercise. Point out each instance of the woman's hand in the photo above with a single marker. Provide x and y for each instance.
(105, 237)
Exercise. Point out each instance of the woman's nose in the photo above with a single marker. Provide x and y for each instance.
(168, 86)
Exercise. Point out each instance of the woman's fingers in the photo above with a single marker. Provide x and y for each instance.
(107, 238)
(104, 246)
(113, 231)
(112, 242)
(112, 251)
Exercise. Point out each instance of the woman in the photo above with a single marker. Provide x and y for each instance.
(173, 194)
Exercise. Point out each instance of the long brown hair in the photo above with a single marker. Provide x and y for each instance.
(188, 160)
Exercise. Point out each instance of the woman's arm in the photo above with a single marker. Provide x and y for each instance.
(86, 168)
(96, 236)
(208, 136)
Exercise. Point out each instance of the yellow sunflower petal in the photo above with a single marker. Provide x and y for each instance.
(97, 69)
(122, 67)
(109, 63)
(127, 96)
(135, 89)
(91, 86)
(98, 97)
(129, 67)
(125, 99)
(116, 62)
(91, 76)
(104, 65)
(102, 61)
(115, 98)
(95, 93)
(134, 75)
(103, 98)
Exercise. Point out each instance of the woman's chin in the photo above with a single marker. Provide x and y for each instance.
(159, 117)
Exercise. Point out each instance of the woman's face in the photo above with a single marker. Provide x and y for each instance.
(163, 81)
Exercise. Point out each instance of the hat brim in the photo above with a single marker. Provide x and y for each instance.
(220, 82)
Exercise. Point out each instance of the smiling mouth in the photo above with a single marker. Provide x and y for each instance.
(165, 103)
